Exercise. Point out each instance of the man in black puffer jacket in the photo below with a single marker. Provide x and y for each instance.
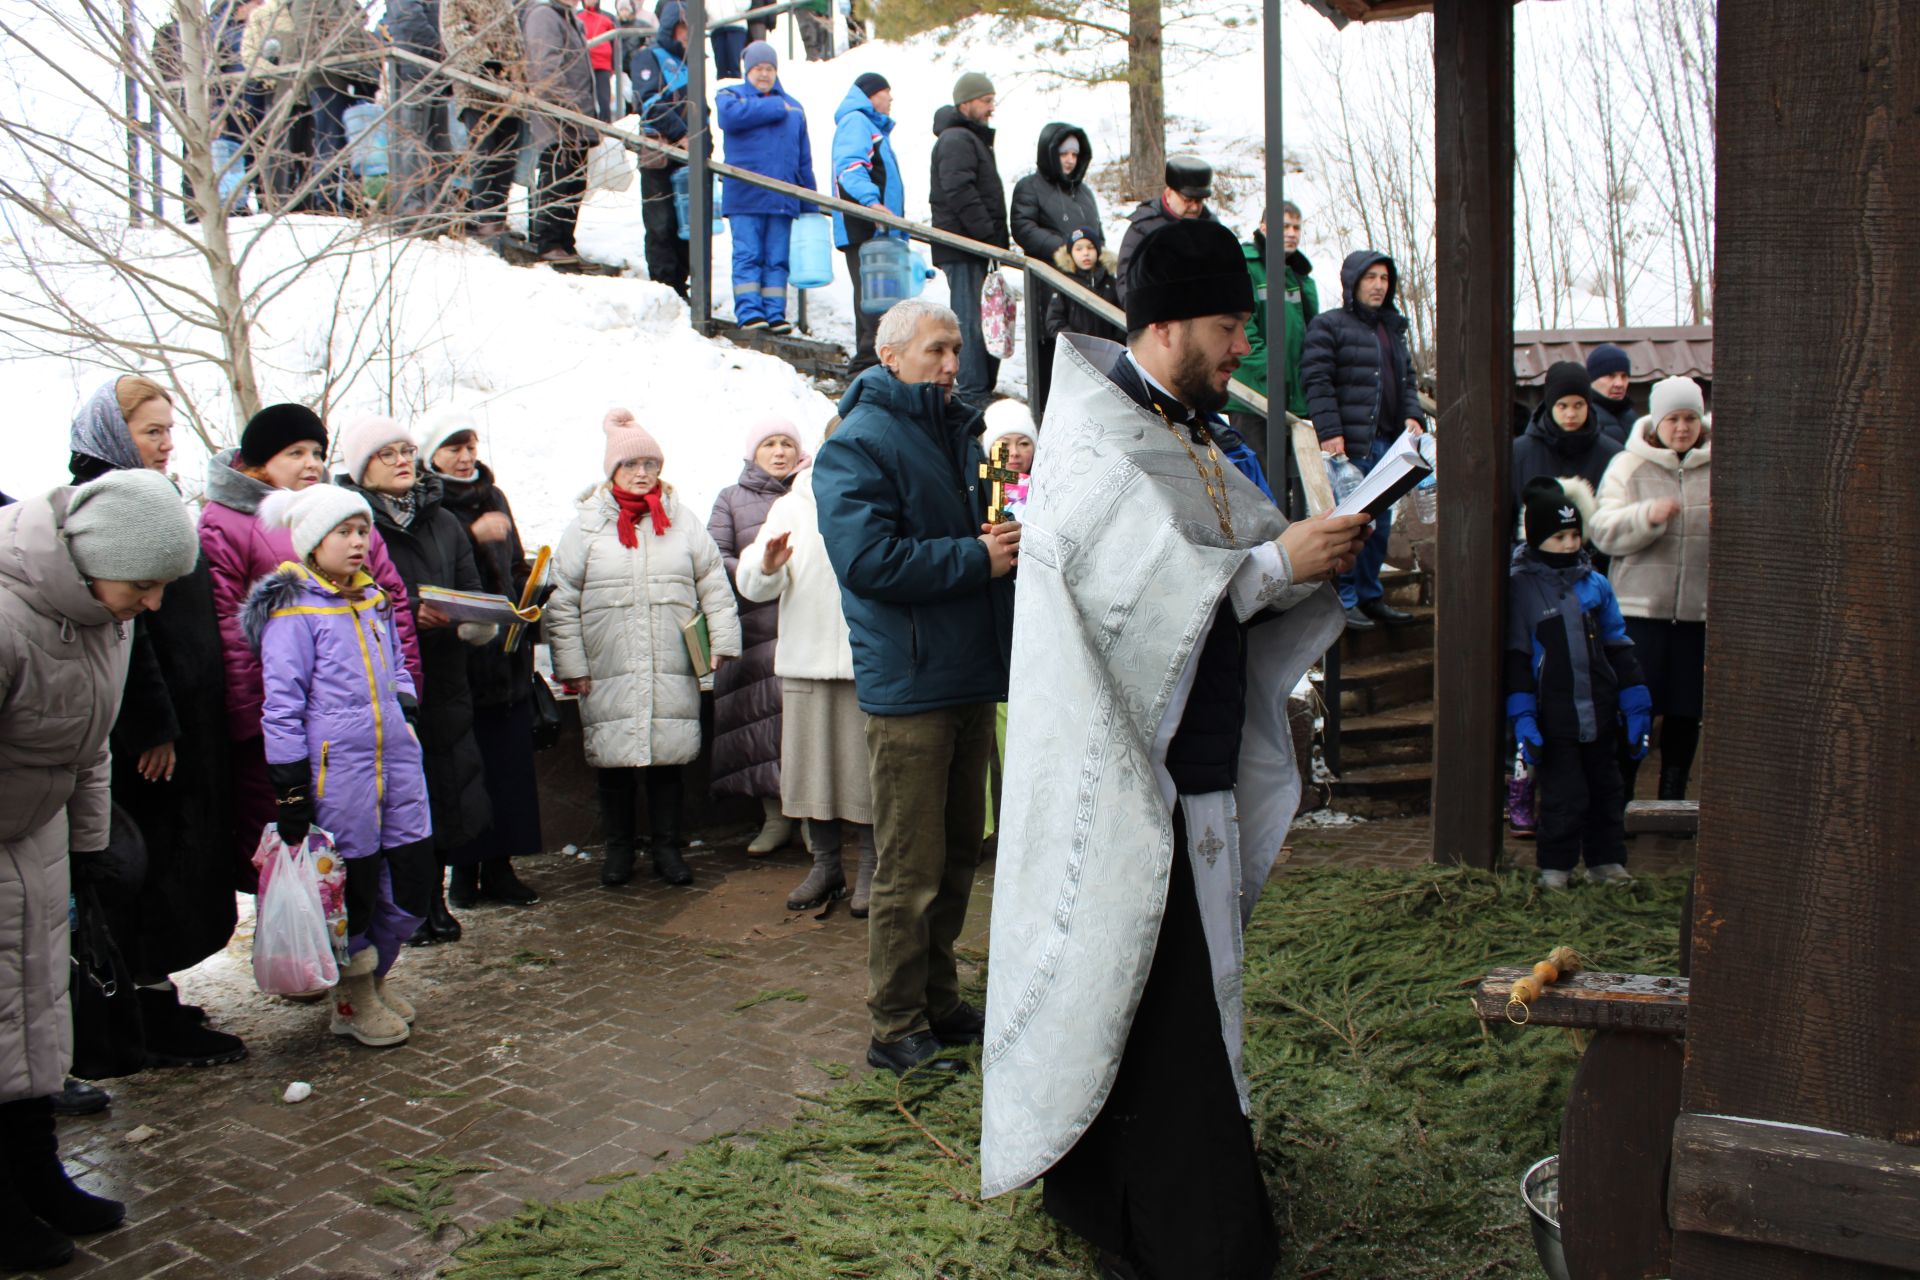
(1047, 205)
(968, 199)
(1358, 376)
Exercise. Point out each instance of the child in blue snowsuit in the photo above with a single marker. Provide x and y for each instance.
(1571, 676)
(766, 133)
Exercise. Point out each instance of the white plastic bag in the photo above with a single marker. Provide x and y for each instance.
(292, 952)
(608, 167)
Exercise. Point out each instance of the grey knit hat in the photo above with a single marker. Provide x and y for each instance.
(970, 86)
(130, 526)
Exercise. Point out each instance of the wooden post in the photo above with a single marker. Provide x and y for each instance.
(1806, 984)
(1473, 189)
(699, 184)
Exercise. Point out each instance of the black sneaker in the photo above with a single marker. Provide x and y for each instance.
(79, 1098)
(964, 1025)
(911, 1053)
(780, 328)
(1358, 621)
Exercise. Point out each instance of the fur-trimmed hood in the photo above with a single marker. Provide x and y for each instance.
(281, 589)
(1063, 259)
(1580, 494)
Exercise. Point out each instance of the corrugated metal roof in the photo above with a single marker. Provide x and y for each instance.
(1655, 352)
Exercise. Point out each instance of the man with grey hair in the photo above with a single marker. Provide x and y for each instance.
(926, 586)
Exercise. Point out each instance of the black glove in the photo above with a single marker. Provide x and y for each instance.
(292, 792)
(410, 708)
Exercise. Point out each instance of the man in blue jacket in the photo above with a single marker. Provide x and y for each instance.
(929, 604)
(766, 133)
(866, 172)
(1358, 376)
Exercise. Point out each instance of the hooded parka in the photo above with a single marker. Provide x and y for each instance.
(616, 617)
(63, 661)
(964, 189)
(1047, 204)
(746, 694)
(432, 550)
(1543, 449)
(1341, 368)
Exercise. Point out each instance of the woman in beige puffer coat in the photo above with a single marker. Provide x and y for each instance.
(631, 571)
(1653, 519)
(76, 567)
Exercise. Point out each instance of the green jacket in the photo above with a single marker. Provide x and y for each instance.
(1303, 304)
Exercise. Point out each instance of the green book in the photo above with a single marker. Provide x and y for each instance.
(699, 644)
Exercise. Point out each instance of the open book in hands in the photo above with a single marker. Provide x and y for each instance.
(1409, 461)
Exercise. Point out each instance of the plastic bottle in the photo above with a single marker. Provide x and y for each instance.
(1344, 476)
(811, 257)
(1426, 500)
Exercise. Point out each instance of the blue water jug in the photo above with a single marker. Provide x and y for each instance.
(367, 136)
(682, 201)
(890, 271)
(810, 254)
(230, 165)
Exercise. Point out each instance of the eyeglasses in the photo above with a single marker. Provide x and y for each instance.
(397, 453)
(646, 466)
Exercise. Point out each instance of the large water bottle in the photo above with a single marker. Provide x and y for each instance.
(1344, 476)
(367, 138)
(886, 271)
(810, 255)
(683, 203)
(1426, 500)
(230, 167)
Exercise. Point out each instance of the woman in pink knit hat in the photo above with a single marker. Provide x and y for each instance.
(746, 696)
(631, 571)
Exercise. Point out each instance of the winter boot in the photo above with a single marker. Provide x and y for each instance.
(863, 880)
(26, 1243)
(41, 1182)
(174, 1039)
(401, 1006)
(463, 887)
(498, 882)
(616, 815)
(776, 831)
(663, 825)
(1673, 783)
(439, 919)
(825, 882)
(1520, 814)
(357, 1010)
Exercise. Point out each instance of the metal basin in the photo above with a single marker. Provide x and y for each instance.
(1540, 1191)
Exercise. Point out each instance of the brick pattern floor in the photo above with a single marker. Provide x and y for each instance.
(592, 1035)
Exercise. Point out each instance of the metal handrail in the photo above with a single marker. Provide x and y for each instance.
(1055, 279)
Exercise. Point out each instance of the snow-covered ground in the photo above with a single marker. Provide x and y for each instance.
(540, 356)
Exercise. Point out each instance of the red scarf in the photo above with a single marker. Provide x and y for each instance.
(632, 505)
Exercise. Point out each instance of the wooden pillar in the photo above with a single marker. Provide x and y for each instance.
(699, 182)
(1806, 982)
(1473, 189)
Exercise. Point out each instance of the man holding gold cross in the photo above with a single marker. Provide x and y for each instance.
(1167, 610)
(926, 586)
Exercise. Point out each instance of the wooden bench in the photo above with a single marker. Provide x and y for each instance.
(1616, 1138)
(1663, 817)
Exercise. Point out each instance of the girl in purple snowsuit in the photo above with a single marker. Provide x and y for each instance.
(340, 750)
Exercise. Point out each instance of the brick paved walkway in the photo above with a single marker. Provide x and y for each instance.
(592, 1035)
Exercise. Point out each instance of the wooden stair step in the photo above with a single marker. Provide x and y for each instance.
(1385, 790)
(1382, 639)
(1400, 735)
(1369, 686)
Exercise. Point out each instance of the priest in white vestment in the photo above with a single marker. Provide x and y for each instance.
(1165, 611)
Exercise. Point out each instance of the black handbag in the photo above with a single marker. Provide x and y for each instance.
(546, 714)
(109, 1035)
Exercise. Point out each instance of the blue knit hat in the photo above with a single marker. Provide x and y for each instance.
(1607, 358)
(756, 53)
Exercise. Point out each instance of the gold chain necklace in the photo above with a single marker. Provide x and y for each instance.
(1222, 506)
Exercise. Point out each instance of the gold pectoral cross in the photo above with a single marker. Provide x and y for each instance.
(996, 470)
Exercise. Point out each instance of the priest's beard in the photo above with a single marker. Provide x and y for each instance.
(1193, 381)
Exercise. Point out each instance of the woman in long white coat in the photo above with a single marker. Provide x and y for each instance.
(632, 570)
(823, 743)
